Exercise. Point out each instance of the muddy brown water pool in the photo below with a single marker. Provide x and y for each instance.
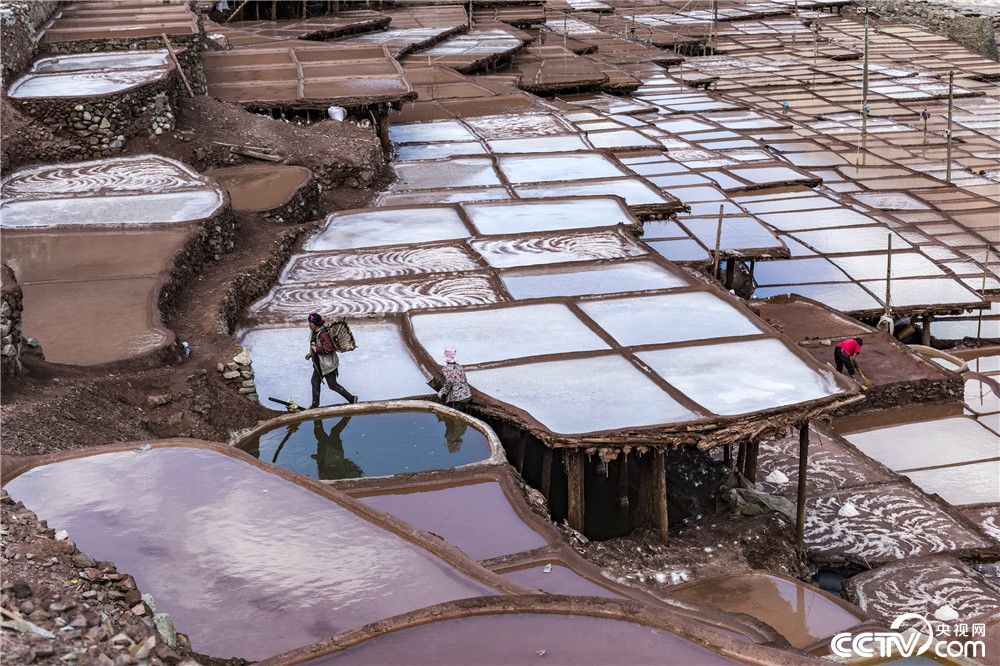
(798, 612)
(527, 638)
(257, 187)
(348, 447)
(477, 518)
(248, 564)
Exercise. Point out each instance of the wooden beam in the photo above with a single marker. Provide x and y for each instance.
(573, 461)
(546, 472)
(727, 455)
(730, 272)
(177, 64)
(235, 12)
(741, 457)
(660, 488)
(800, 511)
(925, 333)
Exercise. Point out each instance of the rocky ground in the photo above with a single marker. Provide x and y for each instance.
(59, 605)
(712, 546)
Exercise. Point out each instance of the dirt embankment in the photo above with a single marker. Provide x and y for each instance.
(50, 408)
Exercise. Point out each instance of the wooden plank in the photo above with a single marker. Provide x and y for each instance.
(546, 472)
(660, 488)
(623, 480)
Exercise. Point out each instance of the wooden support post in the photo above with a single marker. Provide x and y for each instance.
(750, 469)
(730, 272)
(522, 444)
(925, 334)
(574, 482)
(177, 64)
(274, 10)
(741, 457)
(623, 480)
(727, 455)
(660, 489)
(800, 511)
(986, 268)
(546, 472)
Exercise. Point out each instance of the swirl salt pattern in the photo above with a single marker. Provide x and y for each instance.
(555, 249)
(363, 265)
(296, 302)
(894, 523)
(147, 174)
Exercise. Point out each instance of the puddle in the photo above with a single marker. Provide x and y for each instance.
(201, 531)
(799, 612)
(255, 187)
(375, 444)
(518, 638)
(477, 518)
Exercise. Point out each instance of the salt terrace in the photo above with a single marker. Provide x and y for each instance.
(644, 225)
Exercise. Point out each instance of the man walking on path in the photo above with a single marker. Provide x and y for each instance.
(323, 354)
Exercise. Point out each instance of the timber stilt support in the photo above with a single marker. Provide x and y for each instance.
(546, 472)
(574, 481)
(800, 509)
(925, 333)
(522, 444)
(660, 491)
(623, 480)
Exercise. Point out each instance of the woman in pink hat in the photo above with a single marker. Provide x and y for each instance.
(455, 392)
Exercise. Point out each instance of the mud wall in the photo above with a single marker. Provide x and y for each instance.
(976, 28)
(100, 126)
(208, 242)
(19, 19)
(10, 322)
(254, 283)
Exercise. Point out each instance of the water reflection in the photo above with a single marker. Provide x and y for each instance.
(371, 445)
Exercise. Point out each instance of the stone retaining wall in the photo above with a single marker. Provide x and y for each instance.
(99, 126)
(302, 207)
(188, 49)
(19, 20)
(902, 394)
(976, 28)
(10, 323)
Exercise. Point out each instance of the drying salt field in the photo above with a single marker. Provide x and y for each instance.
(500, 332)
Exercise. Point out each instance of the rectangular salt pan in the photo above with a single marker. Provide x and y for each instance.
(380, 368)
(598, 279)
(616, 394)
(634, 191)
(975, 483)
(668, 318)
(455, 172)
(505, 333)
(927, 443)
(131, 210)
(548, 250)
(388, 227)
(844, 296)
(741, 377)
(82, 84)
(526, 216)
(434, 132)
(550, 168)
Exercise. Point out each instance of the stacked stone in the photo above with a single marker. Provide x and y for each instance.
(99, 126)
(10, 322)
(19, 21)
(239, 374)
(302, 207)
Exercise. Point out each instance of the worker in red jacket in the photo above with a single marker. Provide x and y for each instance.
(845, 355)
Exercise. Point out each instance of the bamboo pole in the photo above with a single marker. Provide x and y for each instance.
(986, 266)
(718, 244)
(235, 12)
(800, 509)
(177, 64)
(951, 105)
